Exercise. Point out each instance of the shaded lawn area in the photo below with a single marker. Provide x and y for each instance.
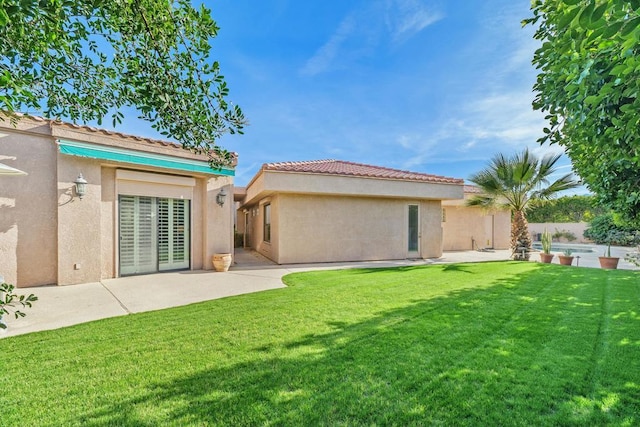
(501, 343)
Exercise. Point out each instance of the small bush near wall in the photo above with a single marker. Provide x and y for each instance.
(564, 235)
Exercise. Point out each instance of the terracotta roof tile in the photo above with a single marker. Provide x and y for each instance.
(339, 167)
(472, 189)
(92, 129)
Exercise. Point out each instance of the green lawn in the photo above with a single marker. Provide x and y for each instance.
(469, 344)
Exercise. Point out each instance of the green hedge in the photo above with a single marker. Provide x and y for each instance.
(564, 209)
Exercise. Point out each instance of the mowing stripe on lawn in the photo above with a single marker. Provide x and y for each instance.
(471, 344)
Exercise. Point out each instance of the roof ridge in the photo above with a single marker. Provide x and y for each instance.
(391, 169)
(300, 162)
(347, 168)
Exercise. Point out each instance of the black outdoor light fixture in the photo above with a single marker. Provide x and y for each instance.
(81, 186)
(221, 197)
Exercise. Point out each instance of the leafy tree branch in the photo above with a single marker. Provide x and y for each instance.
(83, 60)
(588, 84)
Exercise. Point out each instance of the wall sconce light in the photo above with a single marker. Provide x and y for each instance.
(221, 197)
(81, 186)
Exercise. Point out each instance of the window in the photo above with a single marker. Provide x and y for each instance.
(414, 225)
(267, 223)
(154, 234)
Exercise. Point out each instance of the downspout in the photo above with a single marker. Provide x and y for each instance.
(232, 205)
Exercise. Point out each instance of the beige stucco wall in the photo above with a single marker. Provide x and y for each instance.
(463, 224)
(272, 249)
(218, 234)
(322, 228)
(431, 227)
(79, 222)
(49, 236)
(577, 228)
(28, 249)
(255, 235)
(108, 222)
(502, 230)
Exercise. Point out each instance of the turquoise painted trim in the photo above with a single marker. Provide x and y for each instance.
(92, 151)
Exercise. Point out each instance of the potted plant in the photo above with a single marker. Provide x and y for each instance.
(566, 258)
(607, 261)
(546, 256)
(222, 261)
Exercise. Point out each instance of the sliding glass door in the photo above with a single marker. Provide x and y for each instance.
(154, 234)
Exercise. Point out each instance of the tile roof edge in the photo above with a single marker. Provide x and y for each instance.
(116, 134)
(273, 167)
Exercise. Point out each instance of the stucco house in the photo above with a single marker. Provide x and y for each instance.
(148, 205)
(473, 228)
(331, 210)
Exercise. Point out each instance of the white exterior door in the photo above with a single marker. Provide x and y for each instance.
(154, 234)
(413, 231)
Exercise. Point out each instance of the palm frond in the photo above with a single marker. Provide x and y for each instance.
(482, 201)
(564, 183)
(519, 179)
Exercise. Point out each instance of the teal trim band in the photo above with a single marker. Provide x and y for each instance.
(101, 152)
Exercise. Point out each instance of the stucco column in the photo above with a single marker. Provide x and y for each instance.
(431, 229)
(79, 231)
(218, 227)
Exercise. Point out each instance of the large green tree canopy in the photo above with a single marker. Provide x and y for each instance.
(588, 84)
(84, 60)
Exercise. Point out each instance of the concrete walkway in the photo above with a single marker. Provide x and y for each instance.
(60, 306)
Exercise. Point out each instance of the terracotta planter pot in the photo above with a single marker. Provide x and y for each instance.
(546, 258)
(609, 262)
(565, 260)
(222, 262)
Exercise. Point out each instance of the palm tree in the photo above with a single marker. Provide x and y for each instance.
(511, 183)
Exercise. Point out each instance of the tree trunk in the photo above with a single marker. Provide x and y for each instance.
(520, 240)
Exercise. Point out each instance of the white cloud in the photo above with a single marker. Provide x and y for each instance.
(363, 31)
(324, 57)
(404, 18)
(497, 123)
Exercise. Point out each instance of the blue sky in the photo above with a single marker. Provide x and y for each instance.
(435, 86)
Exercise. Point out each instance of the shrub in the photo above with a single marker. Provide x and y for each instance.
(564, 209)
(633, 257)
(603, 229)
(9, 300)
(564, 233)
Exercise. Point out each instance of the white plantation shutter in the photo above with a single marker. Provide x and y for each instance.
(163, 232)
(138, 235)
(127, 235)
(181, 233)
(146, 247)
(173, 234)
